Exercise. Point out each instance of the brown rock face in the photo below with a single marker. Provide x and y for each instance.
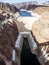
(2, 18)
(8, 7)
(2, 62)
(40, 32)
(7, 16)
(37, 8)
(8, 36)
(8, 33)
(47, 63)
(40, 29)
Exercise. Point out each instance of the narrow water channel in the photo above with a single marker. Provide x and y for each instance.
(27, 58)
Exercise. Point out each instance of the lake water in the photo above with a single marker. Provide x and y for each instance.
(25, 13)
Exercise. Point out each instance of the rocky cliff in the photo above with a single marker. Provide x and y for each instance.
(6, 7)
(36, 8)
(8, 33)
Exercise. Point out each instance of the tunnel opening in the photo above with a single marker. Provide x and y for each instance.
(27, 58)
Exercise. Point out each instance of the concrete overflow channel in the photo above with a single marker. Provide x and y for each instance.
(19, 44)
(33, 47)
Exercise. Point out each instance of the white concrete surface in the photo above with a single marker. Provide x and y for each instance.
(28, 21)
(34, 45)
(18, 41)
(13, 55)
(28, 35)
